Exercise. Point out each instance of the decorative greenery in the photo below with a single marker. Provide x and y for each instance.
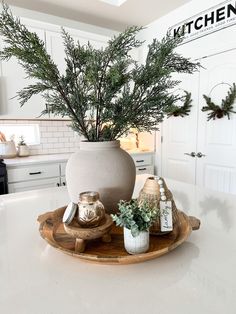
(104, 92)
(135, 216)
(227, 105)
(22, 141)
(181, 111)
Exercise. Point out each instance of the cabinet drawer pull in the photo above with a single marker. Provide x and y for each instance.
(142, 169)
(58, 184)
(64, 183)
(33, 173)
(140, 160)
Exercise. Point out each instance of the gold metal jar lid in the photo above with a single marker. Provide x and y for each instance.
(89, 196)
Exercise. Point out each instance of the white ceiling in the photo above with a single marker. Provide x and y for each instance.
(100, 13)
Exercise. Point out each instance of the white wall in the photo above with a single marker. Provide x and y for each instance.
(211, 44)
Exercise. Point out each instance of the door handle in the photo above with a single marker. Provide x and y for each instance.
(192, 154)
(200, 155)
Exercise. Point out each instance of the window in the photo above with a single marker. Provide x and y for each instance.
(30, 132)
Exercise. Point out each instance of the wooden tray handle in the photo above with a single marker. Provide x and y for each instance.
(44, 217)
(194, 222)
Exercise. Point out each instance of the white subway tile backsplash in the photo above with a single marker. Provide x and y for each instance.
(46, 134)
(55, 136)
(52, 128)
(58, 134)
(68, 134)
(52, 140)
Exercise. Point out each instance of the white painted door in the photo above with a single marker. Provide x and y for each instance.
(13, 79)
(179, 138)
(217, 138)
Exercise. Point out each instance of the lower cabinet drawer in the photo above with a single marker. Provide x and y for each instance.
(145, 169)
(33, 185)
(142, 159)
(33, 172)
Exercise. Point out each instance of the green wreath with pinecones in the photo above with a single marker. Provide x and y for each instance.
(226, 107)
(181, 111)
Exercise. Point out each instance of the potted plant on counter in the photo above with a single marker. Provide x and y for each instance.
(23, 149)
(136, 218)
(104, 92)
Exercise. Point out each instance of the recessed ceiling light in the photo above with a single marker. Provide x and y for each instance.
(117, 3)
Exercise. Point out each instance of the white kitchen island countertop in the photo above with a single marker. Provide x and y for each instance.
(199, 277)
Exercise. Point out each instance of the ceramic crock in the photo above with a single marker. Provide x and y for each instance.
(23, 151)
(103, 167)
(8, 149)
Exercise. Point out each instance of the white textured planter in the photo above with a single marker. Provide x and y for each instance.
(103, 167)
(136, 245)
(23, 151)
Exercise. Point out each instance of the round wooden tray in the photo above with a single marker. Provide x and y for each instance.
(52, 230)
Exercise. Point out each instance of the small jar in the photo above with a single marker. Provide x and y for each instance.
(23, 151)
(90, 210)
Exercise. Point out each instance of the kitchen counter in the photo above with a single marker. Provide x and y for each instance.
(36, 159)
(197, 277)
(39, 159)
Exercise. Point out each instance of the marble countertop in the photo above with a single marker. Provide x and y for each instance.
(24, 161)
(197, 277)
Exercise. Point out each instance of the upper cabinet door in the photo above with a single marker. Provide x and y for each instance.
(13, 79)
(55, 46)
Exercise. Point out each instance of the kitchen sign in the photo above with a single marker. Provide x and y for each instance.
(212, 20)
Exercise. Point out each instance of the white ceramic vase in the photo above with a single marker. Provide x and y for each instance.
(138, 244)
(23, 151)
(102, 167)
(8, 149)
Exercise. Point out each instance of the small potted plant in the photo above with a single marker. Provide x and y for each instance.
(23, 149)
(136, 218)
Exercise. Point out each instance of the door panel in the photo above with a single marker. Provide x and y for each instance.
(217, 138)
(179, 137)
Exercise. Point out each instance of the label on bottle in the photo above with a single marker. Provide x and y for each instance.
(166, 216)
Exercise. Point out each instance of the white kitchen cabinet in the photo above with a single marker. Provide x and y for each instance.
(33, 185)
(63, 181)
(36, 176)
(144, 163)
(55, 46)
(33, 172)
(13, 79)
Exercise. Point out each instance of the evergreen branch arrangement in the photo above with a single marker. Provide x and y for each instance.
(135, 217)
(103, 91)
(226, 108)
(181, 111)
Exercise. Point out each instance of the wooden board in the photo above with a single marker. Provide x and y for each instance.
(52, 230)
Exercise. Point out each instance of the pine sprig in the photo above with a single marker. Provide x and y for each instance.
(181, 111)
(226, 108)
(103, 91)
